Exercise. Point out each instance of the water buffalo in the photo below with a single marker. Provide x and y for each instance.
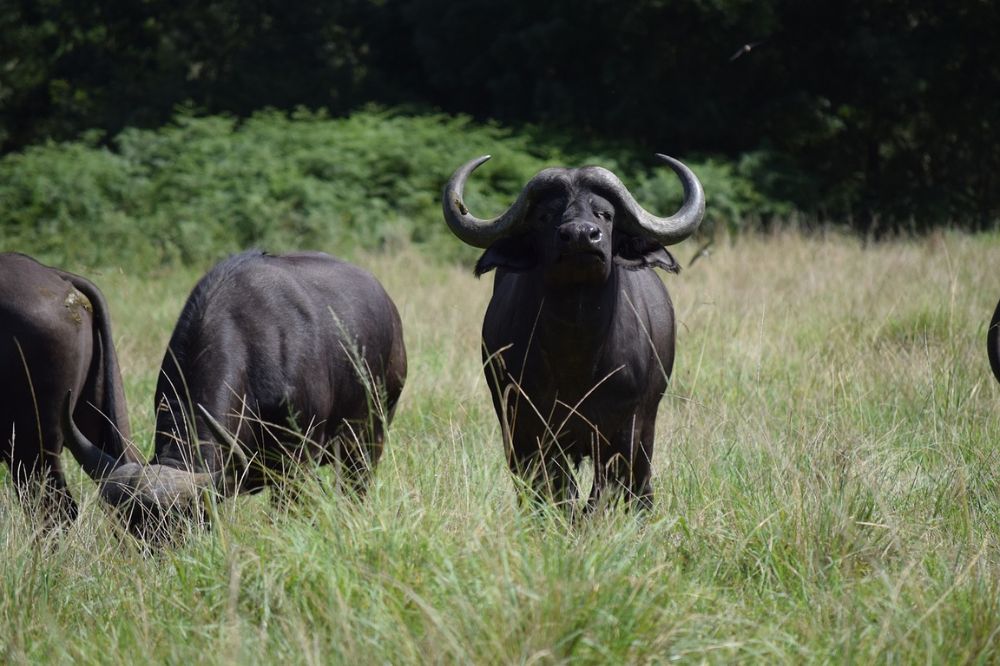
(274, 360)
(993, 343)
(55, 336)
(578, 338)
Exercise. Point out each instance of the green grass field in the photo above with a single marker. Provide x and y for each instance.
(826, 479)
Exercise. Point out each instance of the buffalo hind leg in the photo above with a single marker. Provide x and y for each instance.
(41, 488)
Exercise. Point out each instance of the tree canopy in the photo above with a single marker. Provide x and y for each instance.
(884, 113)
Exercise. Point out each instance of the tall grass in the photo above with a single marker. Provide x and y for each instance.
(825, 477)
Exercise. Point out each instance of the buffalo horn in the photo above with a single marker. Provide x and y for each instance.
(482, 233)
(95, 462)
(663, 230)
(223, 437)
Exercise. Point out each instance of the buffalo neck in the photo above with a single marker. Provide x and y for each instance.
(575, 320)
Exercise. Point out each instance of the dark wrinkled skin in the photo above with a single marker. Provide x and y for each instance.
(578, 344)
(60, 322)
(993, 343)
(258, 346)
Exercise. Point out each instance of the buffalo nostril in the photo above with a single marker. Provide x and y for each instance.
(565, 235)
(594, 235)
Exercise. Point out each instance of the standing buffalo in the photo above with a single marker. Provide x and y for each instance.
(993, 343)
(578, 339)
(55, 336)
(300, 356)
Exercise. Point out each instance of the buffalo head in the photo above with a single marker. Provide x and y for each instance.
(152, 500)
(574, 224)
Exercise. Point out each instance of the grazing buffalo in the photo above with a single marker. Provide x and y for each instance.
(578, 339)
(55, 336)
(993, 343)
(275, 360)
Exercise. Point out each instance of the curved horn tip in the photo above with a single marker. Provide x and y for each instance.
(94, 461)
(469, 167)
(68, 408)
(223, 435)
(685, 172)
(668, 159)
(213, 424)
(69, 425)
(475, 163)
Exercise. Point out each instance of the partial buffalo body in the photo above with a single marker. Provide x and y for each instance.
(55, 336)
(993, 343)
(578, 339)
(275, 360)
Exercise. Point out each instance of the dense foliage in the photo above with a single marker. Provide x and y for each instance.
(199, 187)
(881, 112)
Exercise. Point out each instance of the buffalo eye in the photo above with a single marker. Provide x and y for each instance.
(602, 213)
(600, 210)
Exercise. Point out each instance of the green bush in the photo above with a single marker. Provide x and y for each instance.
(201, 187)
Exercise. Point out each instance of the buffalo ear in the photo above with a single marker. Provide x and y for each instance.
(634, 253)
(515, 254)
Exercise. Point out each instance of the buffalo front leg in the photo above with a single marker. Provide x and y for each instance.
(546, 475)
(625, 466)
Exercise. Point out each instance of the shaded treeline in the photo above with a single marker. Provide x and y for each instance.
(881, 112)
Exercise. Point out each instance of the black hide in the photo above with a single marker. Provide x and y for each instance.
(55, 337)
(578, 345)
